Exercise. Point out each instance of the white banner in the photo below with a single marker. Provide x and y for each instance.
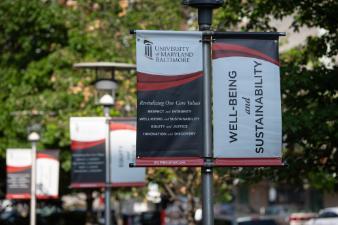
(47, 174)
(247, 101)
(123, 152)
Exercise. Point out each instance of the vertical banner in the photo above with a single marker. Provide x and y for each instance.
(19, 163)
(123, 152)
(169, 98)
(47, 177)
(247, 101)
(19, 174)
(88, 143)
(88, 136)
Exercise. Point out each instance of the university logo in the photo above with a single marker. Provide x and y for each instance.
(148, 49)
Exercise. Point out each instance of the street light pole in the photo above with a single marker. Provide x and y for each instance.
(205, 8)
(34, 138)
(107, 101)
(107, 193)
(207, 170)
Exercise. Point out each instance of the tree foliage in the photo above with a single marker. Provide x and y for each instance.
(40, 42)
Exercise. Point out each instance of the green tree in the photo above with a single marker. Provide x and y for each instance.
(40, 42)
(309, 90)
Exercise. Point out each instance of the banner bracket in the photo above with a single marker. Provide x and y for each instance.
(208, 163)
(207, 39)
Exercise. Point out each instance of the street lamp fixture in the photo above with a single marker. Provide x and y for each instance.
(106, 86)
(105, 82)
(205, 8)
(33, 137)
(105, 92)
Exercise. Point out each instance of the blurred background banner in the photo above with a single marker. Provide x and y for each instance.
(19, 174)
(169, 92)
(123, 152)
(88, 136)
(88, 147)
(47, 177)
(247, 100)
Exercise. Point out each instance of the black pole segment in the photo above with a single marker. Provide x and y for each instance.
(203, 3)
(205, 8)
(204, 18)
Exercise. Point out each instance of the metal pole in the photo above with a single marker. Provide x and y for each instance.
(107, 192)
(33, 186)
(205, 8)
(207, 170)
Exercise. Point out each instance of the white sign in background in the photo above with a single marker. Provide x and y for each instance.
(247, 108)
(47, 178)
(123, 152)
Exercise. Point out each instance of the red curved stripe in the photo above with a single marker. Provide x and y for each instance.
(221, 50)
(80, 145)
(222, 54)
(18, 196)
(165, 84)
(121, 126)
(16, 169)
(146, 77)
(45, 156)
(46, 196)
